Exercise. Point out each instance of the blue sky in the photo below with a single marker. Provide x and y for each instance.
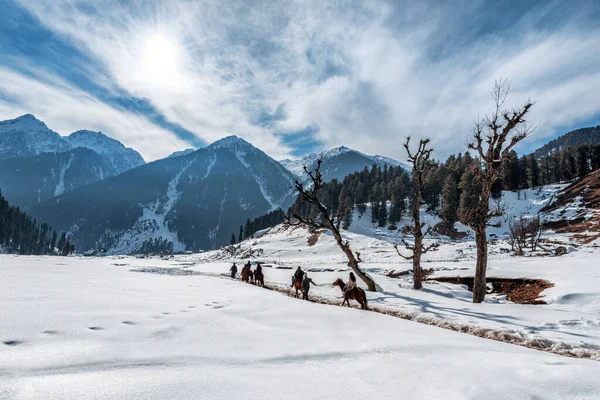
(297, 77)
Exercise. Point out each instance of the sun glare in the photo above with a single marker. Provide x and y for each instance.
(161, 61)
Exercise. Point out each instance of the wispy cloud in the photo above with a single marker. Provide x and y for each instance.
(290, 77)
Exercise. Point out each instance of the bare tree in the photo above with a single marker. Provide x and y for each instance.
(310, 195)
(420, 162)
(493, 138)
(524, 232)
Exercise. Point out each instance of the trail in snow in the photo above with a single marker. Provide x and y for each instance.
(75, 324)
(60, 187)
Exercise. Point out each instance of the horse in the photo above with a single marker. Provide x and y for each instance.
(356, 293)
(259, 278)
(297, 286)
(246, 274)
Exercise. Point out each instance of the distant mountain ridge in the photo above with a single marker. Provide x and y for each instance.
(337, 163)
(589, 135)
(28, 136)
(191, 202)
(37, 163)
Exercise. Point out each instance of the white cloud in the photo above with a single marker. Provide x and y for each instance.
(65, 110)
(366, 75)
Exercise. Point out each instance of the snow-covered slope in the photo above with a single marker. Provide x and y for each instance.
(569, 321)
(78, 328)
(194, 202)
(337, 163)
(181, 153)
(28, 136)
(26, 181)
(120, 157)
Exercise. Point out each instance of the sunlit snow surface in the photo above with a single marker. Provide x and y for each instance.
(91, 328)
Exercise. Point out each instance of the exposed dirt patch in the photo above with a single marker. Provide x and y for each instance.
(521, 290)
(314, 238)
(586, 191)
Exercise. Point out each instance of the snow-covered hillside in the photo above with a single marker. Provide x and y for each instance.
(568, 322)
(191, 202)
(337, 163)
(96, 329)
(526, 203)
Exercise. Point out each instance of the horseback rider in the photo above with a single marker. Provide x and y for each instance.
(306, 286)
(351, 284)
(258, 269)
(233, 270)
(298, 276)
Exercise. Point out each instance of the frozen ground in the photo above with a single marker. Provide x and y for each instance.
(569, 324)
(90, 328)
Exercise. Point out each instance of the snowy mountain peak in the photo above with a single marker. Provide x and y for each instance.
(337, 163)
(181, 153)
(230, 141)
(27, 136)
(24, 122)
(121, 157)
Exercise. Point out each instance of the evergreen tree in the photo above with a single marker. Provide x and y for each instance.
(533, 172)
(232, 240)
(450, 201)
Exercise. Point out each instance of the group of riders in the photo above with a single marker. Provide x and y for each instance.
(299, 276)
(247, 273)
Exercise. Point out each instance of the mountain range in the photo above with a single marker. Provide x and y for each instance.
(190, 202)
(36, 163)
(104, 194)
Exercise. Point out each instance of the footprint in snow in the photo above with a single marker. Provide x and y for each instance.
(12, 342)
(166, 313)
(95, 328)
(50, 332)
(183, 311)
(128, 323)
(191, 306)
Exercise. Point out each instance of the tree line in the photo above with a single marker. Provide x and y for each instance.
(252, 226)
(21, 234)
(385, 189)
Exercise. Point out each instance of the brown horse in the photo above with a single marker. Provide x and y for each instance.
(259, 278)
(246, 274)
(297, 286)
(357, 294)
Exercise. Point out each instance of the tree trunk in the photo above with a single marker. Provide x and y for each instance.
(479, 283)
(352, 260)
(417, 271)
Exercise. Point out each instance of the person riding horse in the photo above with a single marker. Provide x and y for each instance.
(259, 278)
(351, 284)
(298, 276)
(247, 272)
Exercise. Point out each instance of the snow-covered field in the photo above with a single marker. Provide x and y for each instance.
(569, 324)
(91, 328)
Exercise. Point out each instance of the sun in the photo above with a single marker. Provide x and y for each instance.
(161, 60)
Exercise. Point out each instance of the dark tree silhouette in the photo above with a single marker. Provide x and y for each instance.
(420, 162)
(493, 138)
(310, 195)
